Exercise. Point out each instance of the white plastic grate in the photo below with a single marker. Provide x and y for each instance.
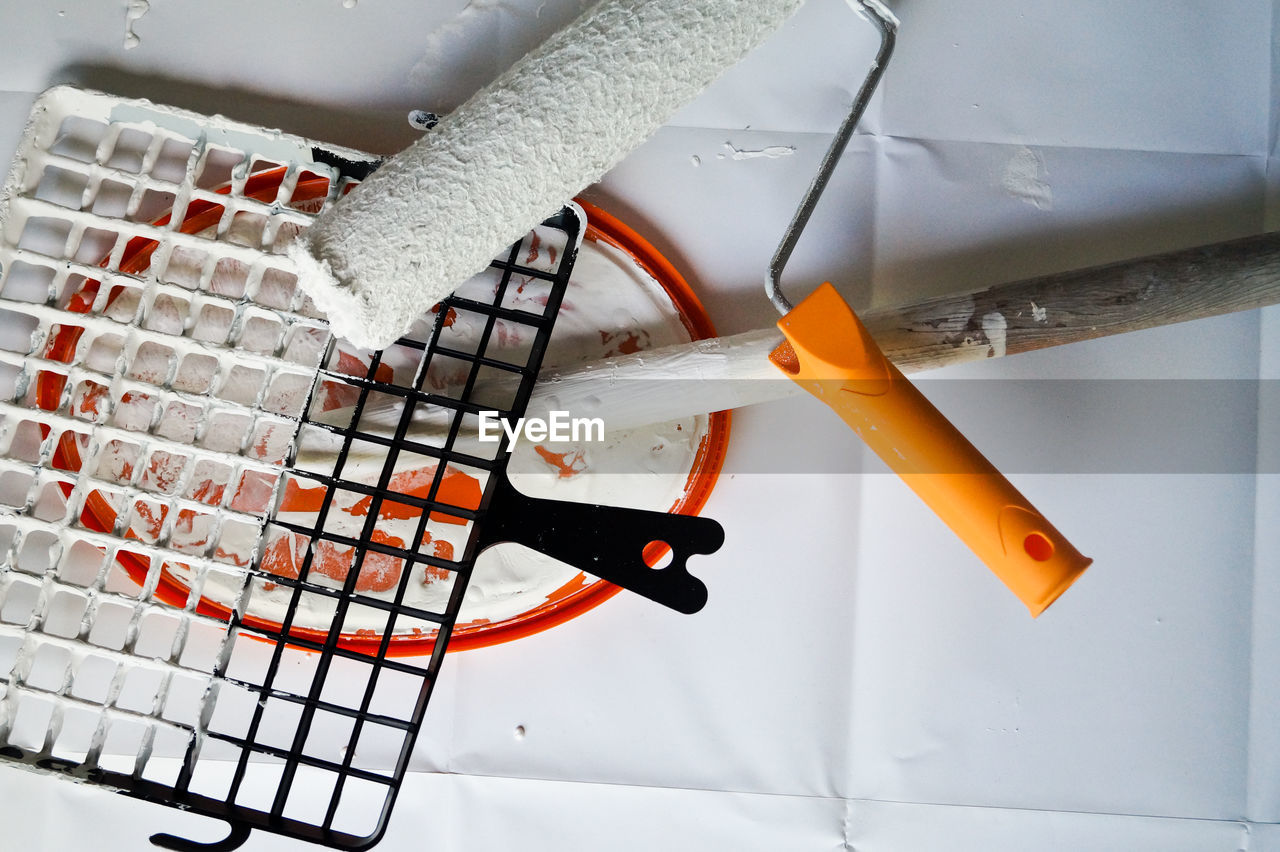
(157, 362)
(157, 356)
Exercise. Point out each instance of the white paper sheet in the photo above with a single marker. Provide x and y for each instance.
(857, 680)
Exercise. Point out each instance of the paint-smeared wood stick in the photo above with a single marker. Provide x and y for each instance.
(1051, 310)
(1069, 307)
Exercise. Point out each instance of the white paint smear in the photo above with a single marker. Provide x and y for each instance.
(1026, 179)
(995, 327)
(137, 9)
(773, 152)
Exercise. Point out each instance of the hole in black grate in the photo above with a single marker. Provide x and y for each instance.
(233, 710)
(378, 748)
(40, 552)
(66, 612)
(346, 683)
(277, 288)
(20, 601)
(183, 699)
(140, 690)
(167, 314)
(362, 808)
(260, 782)
(214, 769)
(246, 229)
(309, 796)
(212, 322)
(29, 726)
(163, 763)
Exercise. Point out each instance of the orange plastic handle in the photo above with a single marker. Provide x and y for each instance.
(831, 355)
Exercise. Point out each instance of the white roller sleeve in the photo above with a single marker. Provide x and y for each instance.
(437, 213)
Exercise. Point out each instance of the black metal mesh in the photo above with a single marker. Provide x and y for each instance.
(335, 643)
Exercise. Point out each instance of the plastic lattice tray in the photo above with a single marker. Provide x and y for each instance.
(199, 592)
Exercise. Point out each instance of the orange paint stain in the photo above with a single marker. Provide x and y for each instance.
(567, 465)
(388, 510)
(239, 560)
(456, 489)
(338, 395)
(299, 499)
(572, 587)
(91, 394)
(208, 492)
(450, 316)
(443, 550)
(49, 387)
(624, 343)
(186, 523)
(379, 572)
(148, 519)
(62, 343)
(253, 496)
(81, 302)
(163, 471)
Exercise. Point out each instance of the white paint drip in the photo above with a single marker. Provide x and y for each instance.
(137, 9)
(1038, 313)
(773, 152)
(1027, 179)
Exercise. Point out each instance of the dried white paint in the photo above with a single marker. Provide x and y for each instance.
(772, 152)
(135, 12)
(996, 328)
(1027, 179)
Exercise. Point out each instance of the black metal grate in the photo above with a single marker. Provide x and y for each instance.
(335, 644)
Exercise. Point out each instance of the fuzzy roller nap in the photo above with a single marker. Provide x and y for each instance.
(553, 124)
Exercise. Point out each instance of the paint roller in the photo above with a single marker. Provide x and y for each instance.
(440, 211)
